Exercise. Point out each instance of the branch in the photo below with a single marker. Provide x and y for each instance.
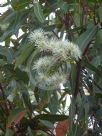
(79, 67)
(55, 34)
(77, 78)
(86, 49)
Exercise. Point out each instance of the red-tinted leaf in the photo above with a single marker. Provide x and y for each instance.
(16, 119)
(62, 128)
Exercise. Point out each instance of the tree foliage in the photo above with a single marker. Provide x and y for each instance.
(26, 108)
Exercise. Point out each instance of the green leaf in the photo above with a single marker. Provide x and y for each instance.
(51, 117)
(86, 107)
(92, 67)
(72, 113)
(24, 55)
(38, 12)
(77, 19)
(17, 73)
(5, 35)
(99, 113)
(15, 116)
(96, 61)
(2, 62)
(63, 5)
(8, 53)
(100, 13)
(54, 103)
(37, 94)
(21, 76)
(86, 37)
(98, 41)
(73, 76)
(41, 133)
(48, 124)
(29, 64)
(44, 101)
(27, 102)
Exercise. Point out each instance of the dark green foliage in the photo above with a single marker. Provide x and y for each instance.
(26, 109)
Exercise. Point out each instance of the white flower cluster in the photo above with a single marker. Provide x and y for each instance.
(37, 36)
(63, 51)
(43, 63)
(52, 82)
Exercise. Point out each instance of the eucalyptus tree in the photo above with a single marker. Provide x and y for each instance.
(45, 44)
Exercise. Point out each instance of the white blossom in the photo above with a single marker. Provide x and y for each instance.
(39, 37)
(36, 36)
(59, 48)
(65, 49)
(51, 82)
(73, 51)
(61, 51)
(42, 64)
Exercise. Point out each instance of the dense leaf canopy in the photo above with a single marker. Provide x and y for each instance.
(44, 44)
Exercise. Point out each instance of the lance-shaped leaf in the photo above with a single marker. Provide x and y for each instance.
(38, 12)
(24, 55)
(100, 13)
(86, 37)
(15, 117)
(8, 53)
(51, 117)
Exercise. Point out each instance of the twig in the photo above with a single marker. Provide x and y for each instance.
(55, 34)
(77, 78)
(79, 71)
(50, 133)
(86, 49)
